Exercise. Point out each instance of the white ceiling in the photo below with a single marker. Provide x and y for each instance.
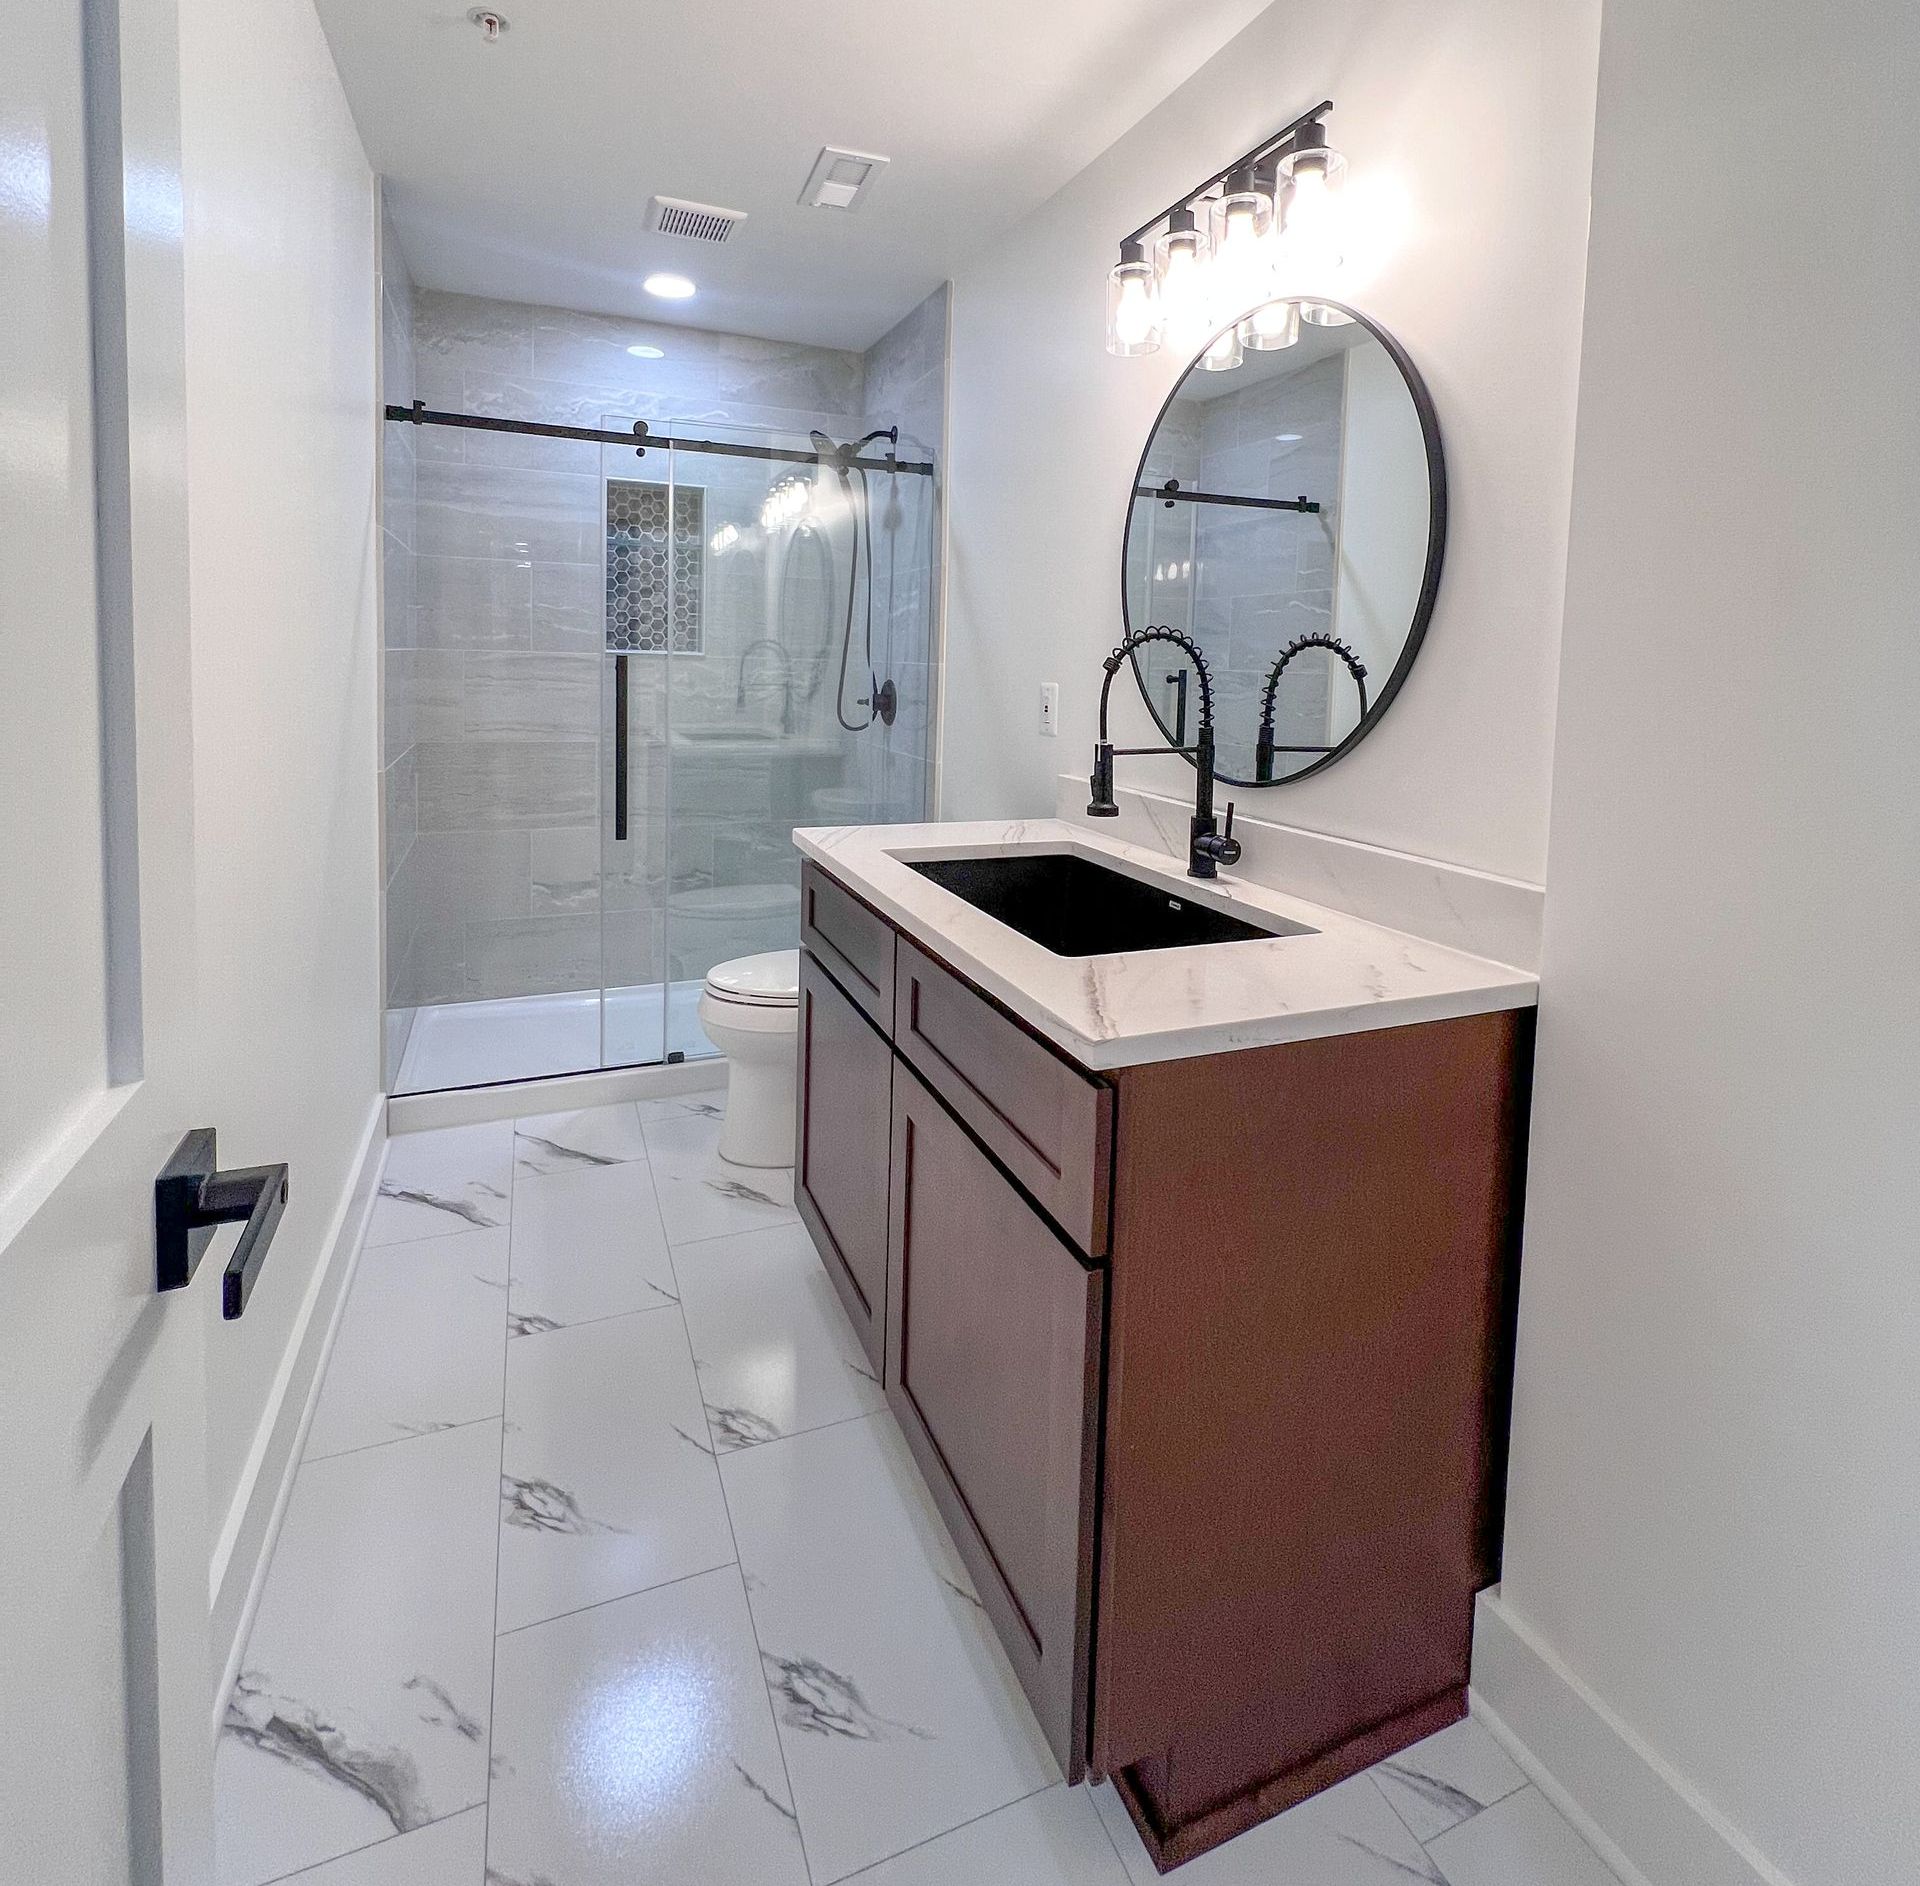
(523, 169)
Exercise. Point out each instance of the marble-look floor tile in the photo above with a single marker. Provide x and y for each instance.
(1053, 1838)
(361, 1709)
(607, 1486)
(457, 1179)
(1346, 1836)
(633, 1747)
(452, 1852)
(898, 1713)
(577, 1142)
(773, 1347)
(701, 1196)
(419, 1343)
(1521, 1841)
(1447, 1778)
(587, 1244)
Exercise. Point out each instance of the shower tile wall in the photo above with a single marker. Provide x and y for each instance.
(509, 881)
(399, 798)
(906, 384)
(1267, 576)
(1246, 583)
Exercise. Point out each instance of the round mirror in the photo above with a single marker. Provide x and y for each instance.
(1289, 514)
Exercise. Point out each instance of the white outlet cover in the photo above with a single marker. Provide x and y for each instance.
(1050, 708)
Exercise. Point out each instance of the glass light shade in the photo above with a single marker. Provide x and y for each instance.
(1135, 321)
(1271, 326)
(1242, 265)
(1312, 234)
(1324, 314)
(1186, 288)
(1223, 351)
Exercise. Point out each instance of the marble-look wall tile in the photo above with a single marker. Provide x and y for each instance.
(490, 785)
(532, 697)
(478, 333)
(402, 805)
(492, 511)
(533, 955)
(473, 602)
(565, 869)
(570, 607)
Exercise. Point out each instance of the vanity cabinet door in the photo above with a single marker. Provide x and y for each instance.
(843, 1130)
(993, 1368)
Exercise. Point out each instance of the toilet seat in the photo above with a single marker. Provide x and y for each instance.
(770, 980)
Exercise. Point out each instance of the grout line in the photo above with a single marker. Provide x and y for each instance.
(819, 1427)
(1113, 1839)
(399, 1440)
(385, 1840)
(588, 1322)
(753, 1623)
(745, 1231)
(619, 1597)
(972, 1820)
(499, 1521)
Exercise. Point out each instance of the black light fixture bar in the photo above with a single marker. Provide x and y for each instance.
(641, 438)
(1171, 494)
(1266, 148)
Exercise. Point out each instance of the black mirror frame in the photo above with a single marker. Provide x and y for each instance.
(1430, 577)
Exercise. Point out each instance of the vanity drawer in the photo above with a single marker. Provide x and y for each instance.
(1045, 1121)
(853, 941)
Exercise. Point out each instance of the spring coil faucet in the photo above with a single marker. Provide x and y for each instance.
(1207, 846)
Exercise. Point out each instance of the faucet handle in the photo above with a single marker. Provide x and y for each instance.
(1226, 848)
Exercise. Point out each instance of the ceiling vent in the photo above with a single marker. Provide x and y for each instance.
(697, 222)
(840, 179)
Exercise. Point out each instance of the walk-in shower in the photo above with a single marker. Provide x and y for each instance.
(641, 650)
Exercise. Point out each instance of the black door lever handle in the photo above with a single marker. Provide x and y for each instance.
(192, 1196)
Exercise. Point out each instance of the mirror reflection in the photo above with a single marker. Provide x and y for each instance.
(1287, 514)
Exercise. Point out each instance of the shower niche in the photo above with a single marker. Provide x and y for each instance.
(623, 665)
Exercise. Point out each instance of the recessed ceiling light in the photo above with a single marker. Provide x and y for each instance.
(668, 287)
(1279, 438)
(641, 351)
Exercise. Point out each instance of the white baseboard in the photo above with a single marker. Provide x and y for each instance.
(468, 1106)
(1643, 1818)
(252, 1524)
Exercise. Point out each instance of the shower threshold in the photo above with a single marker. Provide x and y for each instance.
(529, 1037)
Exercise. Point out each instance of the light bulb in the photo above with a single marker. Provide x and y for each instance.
(1241, 222)
(1183, 280)
(1134, 322)
(1311, 241)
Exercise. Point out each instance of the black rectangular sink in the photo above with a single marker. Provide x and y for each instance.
(1074, 907)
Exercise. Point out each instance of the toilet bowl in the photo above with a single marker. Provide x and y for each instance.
(750, 1008)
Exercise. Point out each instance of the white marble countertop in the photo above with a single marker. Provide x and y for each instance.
(1162, 1005)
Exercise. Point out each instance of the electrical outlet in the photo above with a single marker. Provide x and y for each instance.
(1050, 709)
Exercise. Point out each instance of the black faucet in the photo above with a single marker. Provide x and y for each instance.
(1207, 846)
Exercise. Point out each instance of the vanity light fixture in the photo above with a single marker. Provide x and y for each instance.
(1264, 229)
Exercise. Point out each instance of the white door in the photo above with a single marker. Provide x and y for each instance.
(106, 1694)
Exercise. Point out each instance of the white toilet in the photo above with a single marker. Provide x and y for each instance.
(750, 1009)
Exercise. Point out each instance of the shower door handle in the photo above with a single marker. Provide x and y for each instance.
(620, 747)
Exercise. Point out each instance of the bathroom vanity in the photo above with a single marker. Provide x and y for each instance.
(1189, 1270)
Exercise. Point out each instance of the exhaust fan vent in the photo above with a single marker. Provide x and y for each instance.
(841, 178)
(697, 222)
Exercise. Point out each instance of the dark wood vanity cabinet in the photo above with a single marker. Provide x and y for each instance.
(1205, 1362)
(844, 1129)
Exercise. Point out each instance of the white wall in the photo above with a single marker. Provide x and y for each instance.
(1467, 123)
(284, 546)
(1714, 1524)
